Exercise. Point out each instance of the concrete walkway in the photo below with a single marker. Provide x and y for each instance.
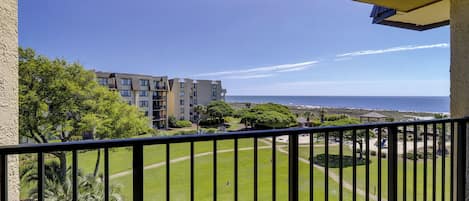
(180, 159)
(332, 175)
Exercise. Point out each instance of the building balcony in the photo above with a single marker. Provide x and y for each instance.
(159, 118)
(357, 162)
(159, 107)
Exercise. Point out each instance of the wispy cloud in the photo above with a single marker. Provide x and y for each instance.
(260, 72)
(294, 69)
(244, 77)
(393, 49)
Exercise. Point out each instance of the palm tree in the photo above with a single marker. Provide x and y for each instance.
(58, 188)
(199, 110)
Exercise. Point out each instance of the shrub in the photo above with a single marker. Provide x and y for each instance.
(211, 130)
(269, 115)
(335, 117)
(183, 124)
(209, 122)
(172, 121)
(315, 122)
(230, 120)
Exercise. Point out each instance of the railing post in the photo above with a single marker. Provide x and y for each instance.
(461, 161)
(4, 177)
(293, 167)
(137, 172)
(392, 163)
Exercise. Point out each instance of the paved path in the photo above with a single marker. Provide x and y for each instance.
(180, 159)
(332, 175)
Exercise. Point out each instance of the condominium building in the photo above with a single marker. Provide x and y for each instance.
(148, 93)
(184, 94)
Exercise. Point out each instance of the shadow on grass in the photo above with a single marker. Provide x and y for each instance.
(334, 161)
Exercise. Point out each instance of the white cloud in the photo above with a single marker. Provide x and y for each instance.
(252, 72)
(294, 69)
(243, 77)
(393, 49)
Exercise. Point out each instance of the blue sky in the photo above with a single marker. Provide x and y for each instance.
(261, 47)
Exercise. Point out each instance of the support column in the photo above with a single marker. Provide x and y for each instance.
(459, 16)
(9, 88)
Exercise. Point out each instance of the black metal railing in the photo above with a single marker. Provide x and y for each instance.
(401, 143)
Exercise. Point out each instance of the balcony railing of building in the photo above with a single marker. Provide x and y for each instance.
(397, 146)
(159, 107)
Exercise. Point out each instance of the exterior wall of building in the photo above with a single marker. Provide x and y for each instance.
(148, 93)
(9, 88)
(459, 72)
(193, 92)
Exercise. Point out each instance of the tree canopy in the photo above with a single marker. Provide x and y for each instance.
(59, 100)
(63, 101)
(219, 109)
(269, 115)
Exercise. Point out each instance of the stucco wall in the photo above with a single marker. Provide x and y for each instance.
(460, 66)
(9, 86)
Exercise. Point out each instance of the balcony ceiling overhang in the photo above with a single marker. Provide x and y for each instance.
(410, 14)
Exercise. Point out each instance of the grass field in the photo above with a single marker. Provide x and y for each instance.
(121, 161)
(361, 178)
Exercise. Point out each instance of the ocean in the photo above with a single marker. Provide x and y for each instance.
(437, 104)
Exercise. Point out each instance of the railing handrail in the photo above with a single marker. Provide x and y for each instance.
(128, 142)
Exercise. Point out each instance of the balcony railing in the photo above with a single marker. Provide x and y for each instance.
(420, 149)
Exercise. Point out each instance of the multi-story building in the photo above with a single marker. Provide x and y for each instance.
(148, 93)
(184, 94)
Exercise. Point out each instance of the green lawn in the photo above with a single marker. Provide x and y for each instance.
(121, 160)
(180, 179)
(361, 179)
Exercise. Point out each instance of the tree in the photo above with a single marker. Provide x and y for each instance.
(199, 110)
(348, 135)
(268, 115)
(62, 101)
(58, 188)
(219, 109)
(308, 115)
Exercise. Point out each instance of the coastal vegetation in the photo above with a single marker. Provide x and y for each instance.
(269, 115)
(60, 101)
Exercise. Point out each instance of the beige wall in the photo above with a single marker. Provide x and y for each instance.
(204, 96)
(460, 58)
(9, 86)
(460, 69)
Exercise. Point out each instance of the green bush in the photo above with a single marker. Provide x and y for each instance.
(210, 122)
(315, 122)
(183, 124)
(211, 130)
(269, 115)
(335, 117)
(230, 120)
(172, 121)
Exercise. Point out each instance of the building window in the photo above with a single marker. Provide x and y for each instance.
(181, 102)
(181, 85)
(129, 102)
(126, 82)
(102, 81)
(181, 93)
(144, 83)
(143, 93)
(143, 104)
(146, 113)
(125, 93)
(214, 90)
